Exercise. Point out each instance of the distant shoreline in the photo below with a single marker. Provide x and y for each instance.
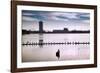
(55, 32)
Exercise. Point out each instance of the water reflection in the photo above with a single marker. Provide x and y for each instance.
(40, 40)
(48, 47)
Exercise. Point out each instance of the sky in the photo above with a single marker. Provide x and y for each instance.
(55, 20)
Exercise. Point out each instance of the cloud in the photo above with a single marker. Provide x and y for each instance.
(55, 16)
(84, 16)
(30, 19)
(66, 15)
(27, 14)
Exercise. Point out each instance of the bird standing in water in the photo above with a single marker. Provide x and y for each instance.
(58, 54)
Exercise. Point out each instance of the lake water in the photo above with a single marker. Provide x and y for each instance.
(36, 53)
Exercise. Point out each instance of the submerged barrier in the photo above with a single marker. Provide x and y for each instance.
(56, 43)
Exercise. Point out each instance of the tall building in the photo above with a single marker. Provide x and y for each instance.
(40, 35)
(40, 26)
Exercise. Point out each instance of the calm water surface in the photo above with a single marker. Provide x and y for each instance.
(36, 53)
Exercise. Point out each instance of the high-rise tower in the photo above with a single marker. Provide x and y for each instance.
(41, 34)
(40, 26)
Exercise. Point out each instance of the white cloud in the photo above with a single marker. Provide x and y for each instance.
(66, 15)
(28, 14)
(25, 18)
(86, 21)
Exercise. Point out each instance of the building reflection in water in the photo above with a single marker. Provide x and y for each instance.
(40, 40)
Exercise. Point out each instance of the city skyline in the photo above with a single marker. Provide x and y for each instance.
(41, 30)
(55, 20)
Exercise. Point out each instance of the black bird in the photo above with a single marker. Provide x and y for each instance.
(58, 54)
